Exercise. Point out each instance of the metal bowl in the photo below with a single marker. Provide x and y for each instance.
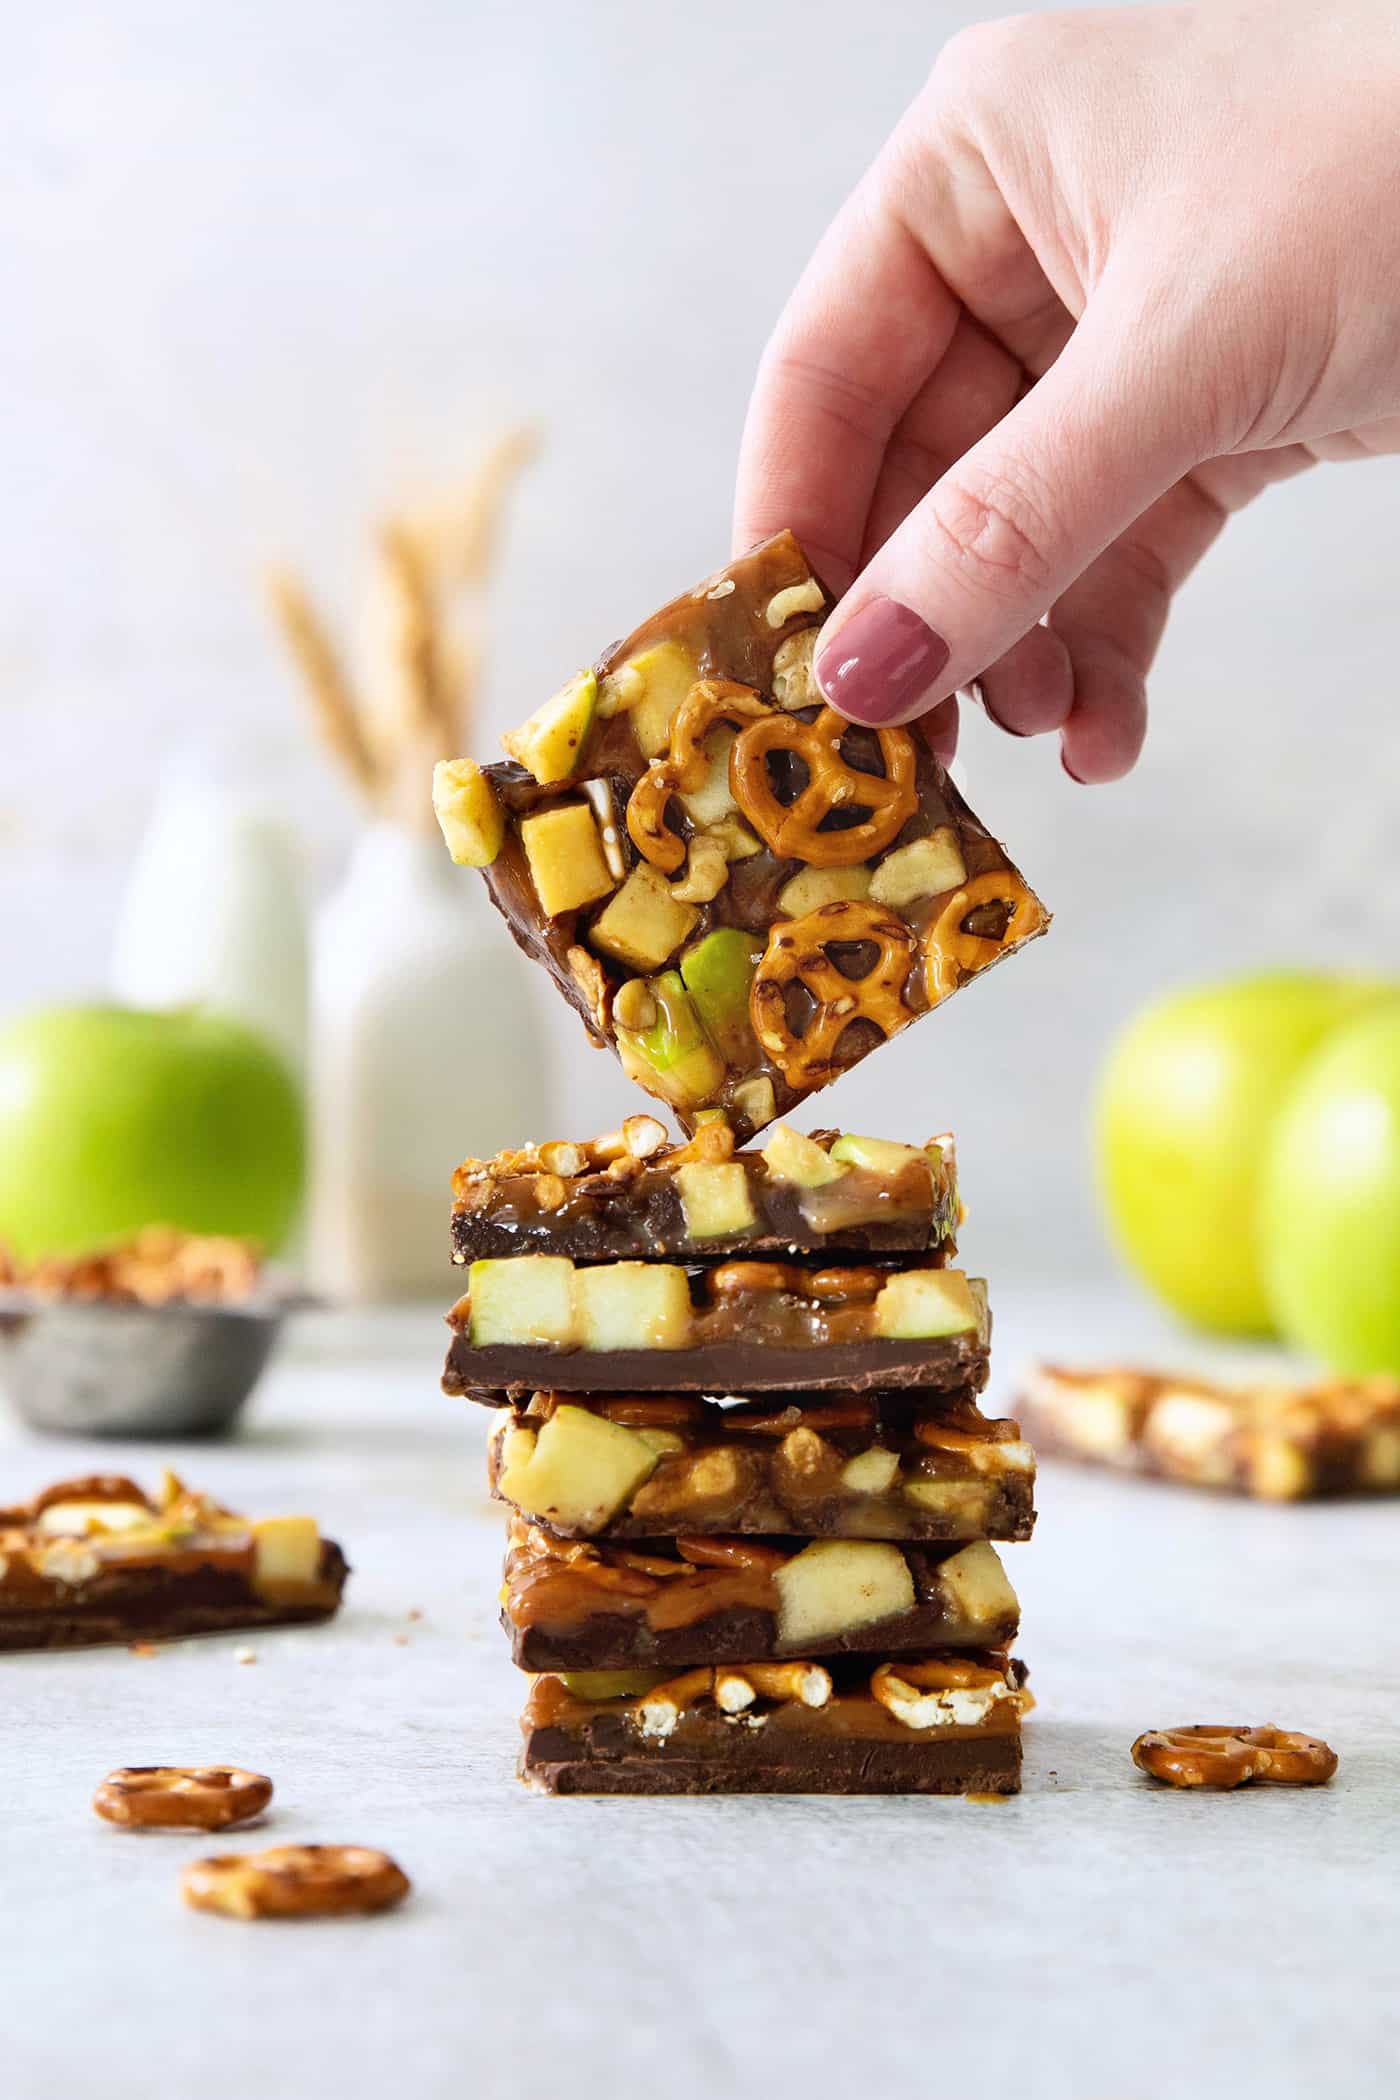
(95, 1368)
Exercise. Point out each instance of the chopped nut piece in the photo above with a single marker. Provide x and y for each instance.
(633, 1005)
(797, 598)
(794, 680)
(738, 841)
(588, 976)
(706, 872)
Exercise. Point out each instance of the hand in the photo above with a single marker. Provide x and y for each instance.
(1114, 273)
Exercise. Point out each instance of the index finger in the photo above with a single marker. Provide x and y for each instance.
(869, 321)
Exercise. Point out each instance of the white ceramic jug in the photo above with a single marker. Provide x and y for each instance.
(426, 1045)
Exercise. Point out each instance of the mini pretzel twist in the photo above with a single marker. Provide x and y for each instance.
(685, 765)
(951, 953)
(1229, 1757)
(181, 1797)
(295, 1881)
(797, 954)
(831, 1286)
(792, 829)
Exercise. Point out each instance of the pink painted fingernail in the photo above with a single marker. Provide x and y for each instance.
(882, 664)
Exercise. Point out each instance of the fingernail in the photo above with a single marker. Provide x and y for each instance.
(882, 663)
(1066, 767)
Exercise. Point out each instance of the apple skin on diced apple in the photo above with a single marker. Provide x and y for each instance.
(718, 973)
(673, 1057)
(715, 1199)
(525, 1300)
(878, 1155)
(800, 1160)
(470, 813)
(113, 1118)
(632, 1305)
(595, 1686)
(550, 745)
(835, 1585)
(925, 1305)
(579, 1469)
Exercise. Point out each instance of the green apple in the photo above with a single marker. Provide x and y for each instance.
(1329, 1215)
(718, 972)
(112, 1119)
(1186, 1104)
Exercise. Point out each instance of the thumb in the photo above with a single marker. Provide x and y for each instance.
(1114, 423)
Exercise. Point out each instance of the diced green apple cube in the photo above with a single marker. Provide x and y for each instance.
(633, 1305)
(924, 1305)
(526, 1299)
(715, 1199)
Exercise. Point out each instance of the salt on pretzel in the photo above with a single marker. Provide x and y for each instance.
(1206, 1756)
(793, 829)
(685, 765)
(295, 1881)
(797, 954)
(951, 953)
(181, 1797)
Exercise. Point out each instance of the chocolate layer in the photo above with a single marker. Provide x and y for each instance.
(891, 1466)
(676, 1603)
(1281, 1443)
(613, 1206)
(845, 1739)
(155, 1604)
(817, 1330)
(965, 1765)
(905, 866)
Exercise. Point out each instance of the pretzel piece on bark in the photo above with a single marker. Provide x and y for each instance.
(295, 1881)
(1207, 1756)
(797, 954)
(684, 767)
(181, 1797)
(793, 829)
(952, 953)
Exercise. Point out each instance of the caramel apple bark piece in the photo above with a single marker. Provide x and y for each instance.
(1280, 1443)
(633, 1194)
(539, 1319)
(741, 892)
(571, 1605)
(98, 1560)
(934, 1724)
(888, 1467)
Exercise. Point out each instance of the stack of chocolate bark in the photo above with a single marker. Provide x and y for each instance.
(752, 1492)
(788, 1589)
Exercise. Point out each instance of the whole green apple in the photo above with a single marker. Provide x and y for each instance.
(1330, 1201)
(112, 1119)
(1186, 1104)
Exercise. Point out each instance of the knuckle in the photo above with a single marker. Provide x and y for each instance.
(997, 532)
(979, 54)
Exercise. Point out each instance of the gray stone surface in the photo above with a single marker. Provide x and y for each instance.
(1097, 1939)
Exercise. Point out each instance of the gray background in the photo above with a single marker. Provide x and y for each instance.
(264, 266)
